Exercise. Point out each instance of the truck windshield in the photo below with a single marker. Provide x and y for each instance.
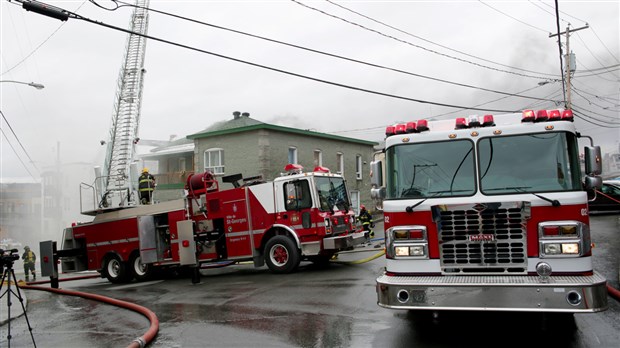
(332, 193)
(529, 163)
(434, 169)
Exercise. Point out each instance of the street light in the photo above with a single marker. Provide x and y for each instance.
(31, 84)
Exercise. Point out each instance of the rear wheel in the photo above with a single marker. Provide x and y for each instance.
(115, 269)
(139, 270)
(282, 255)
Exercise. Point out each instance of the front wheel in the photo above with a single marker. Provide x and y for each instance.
(140, 271)
(282, 255)
(115, 269)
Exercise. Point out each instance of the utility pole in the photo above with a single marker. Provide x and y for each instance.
(568, 61)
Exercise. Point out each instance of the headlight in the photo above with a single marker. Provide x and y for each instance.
(410, 251)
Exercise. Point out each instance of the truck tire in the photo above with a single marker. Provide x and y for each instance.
(282, 255)
(115, 269)
(140, 271)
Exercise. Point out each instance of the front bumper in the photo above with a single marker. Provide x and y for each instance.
(344, 242)
(575, 294)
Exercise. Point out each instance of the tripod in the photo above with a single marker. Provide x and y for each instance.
(9, 273)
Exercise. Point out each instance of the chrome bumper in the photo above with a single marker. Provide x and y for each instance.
(343, 242)
(576, 294)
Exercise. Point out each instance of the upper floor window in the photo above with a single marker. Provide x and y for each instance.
(318, 158)
(358, 167)
(292, 155)
(214, 161)
(340, 163)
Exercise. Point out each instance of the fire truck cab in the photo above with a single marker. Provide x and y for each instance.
(298, 216)
(488, 213)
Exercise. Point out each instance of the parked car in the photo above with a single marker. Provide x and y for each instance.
(608, 199)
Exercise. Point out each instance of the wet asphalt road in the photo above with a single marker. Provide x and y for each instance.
(239, 306)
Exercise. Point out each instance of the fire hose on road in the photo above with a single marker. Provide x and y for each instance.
(139, 342)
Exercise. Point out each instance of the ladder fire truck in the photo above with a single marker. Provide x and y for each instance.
(488, 213)
(299, 215)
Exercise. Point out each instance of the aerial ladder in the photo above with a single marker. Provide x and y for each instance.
(116, 185)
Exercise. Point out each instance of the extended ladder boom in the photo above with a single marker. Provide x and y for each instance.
(117, 180)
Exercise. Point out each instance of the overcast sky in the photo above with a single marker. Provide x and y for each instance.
(501, 46)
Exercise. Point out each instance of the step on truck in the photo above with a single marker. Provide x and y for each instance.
(488, 213)
(298, 216)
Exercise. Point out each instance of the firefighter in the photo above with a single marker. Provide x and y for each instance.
(366, 220)
(146, 185)
(29, 260)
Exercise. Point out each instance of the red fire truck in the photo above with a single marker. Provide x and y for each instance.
(488, 213)
(299, 215)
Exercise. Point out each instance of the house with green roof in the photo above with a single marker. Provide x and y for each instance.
(246, 146)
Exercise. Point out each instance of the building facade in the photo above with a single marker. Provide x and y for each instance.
(252, 148)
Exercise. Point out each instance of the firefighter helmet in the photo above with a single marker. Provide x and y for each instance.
(145, 170)
(26, 248)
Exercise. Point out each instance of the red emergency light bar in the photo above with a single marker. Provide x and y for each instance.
(389, 131)
(400, 128)
(291, 167)
(410, 127)
(541, 116)
(544, 115)
(321, 169)
(460, 123)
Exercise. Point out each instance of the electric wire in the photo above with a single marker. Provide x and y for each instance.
(40, 45)
(20, 143)
(418, 46)
(109, 26)
(516, 19)
(18, 156)
(426, 40)
(326, 53)
(591, 53)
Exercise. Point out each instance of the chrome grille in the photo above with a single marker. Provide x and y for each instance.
(483, 238)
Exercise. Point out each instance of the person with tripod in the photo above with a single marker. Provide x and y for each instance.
(29, 261)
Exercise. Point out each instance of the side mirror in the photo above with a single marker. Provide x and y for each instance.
(593, 160)
(376, 174)
(593, 182)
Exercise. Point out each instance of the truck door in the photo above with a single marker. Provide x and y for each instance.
(297, 205)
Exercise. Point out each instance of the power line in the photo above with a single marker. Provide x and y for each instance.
(426, 40)
(331, 54)
(79, 17)
(18, 157)
(516, 19)
(418, 46)
(20, 143)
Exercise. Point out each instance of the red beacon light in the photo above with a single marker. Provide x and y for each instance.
(422, 126)
(460, 123)
(554, 115)
(400, 128)
(567, 115)
(320, 169)
(410, 127)
(292, 168)
(389, 131)
(488, 121)
(528, 116)
(542, 116)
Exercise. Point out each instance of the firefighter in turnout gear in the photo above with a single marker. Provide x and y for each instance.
(366, 220)
(146, 185)
(29, 260)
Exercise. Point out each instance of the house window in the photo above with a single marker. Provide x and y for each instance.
(214, 161)
(318, 158)
(182, 166)
(355, 201)
(358, 167)
(292, 155)
(340, 163)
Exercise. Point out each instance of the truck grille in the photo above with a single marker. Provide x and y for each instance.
(485, 238)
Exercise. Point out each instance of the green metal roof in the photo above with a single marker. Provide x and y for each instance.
(236, 127)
